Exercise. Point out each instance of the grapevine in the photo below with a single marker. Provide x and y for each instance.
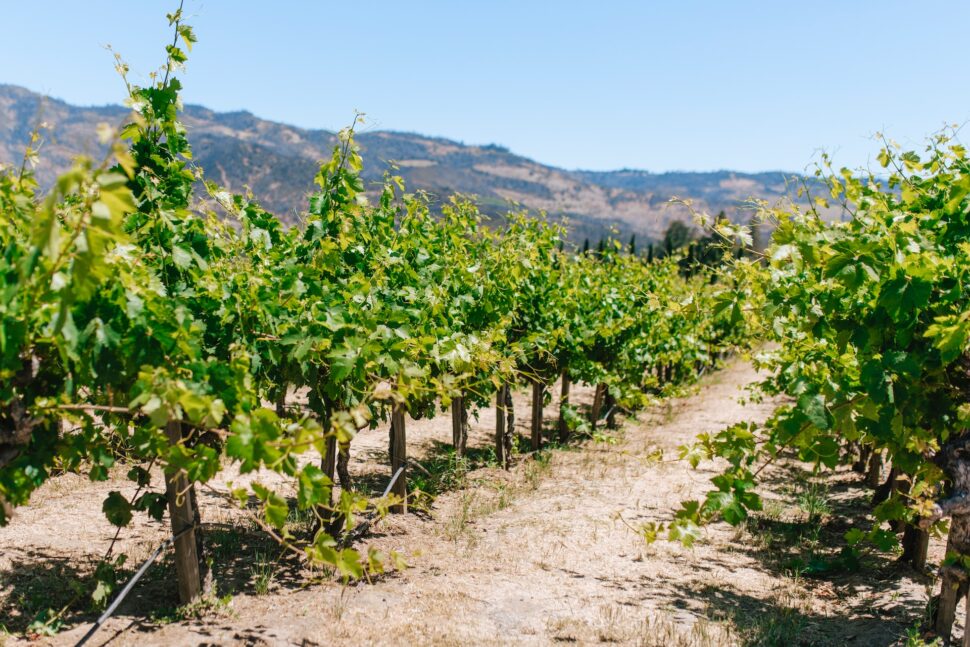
(150, 317)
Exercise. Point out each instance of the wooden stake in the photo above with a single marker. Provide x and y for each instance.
(399, 458)
(594, 414)
(946, 609)
(916, 542)
(610, 403)
(563, 403)
(509, 421)
(281, 402)
(185, 518)
(500, 427)
(874, 473)
(504, 421)
(459, 425)
(966, 624)
(329, 463)
(538, 394)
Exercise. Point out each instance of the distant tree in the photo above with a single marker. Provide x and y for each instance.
(601, 248)
(633, 244)
(677, 235)
(586, 246)
(650, 253)
(708, 250)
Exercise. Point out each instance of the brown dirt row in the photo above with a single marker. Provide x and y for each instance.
(540, 555)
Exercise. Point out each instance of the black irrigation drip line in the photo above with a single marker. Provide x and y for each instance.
(609, 411)
(348, 539)
(387, 490)
(131, 583)
(362, 527)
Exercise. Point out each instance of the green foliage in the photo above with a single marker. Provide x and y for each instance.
(129, 308)
(869, 320)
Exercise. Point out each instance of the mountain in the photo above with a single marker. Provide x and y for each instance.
(278, 162)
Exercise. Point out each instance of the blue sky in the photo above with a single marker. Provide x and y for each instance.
(676, 85)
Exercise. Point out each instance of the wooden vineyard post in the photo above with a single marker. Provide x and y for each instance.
(329, 465)
(966, 624)
(915, 542)
(610, 403)
(281, 402)
(500, 454)
(399, 458)
(563, 403)
(874, 469)
(861, 465)
(947, 606)
(538, 394)
(504, 425)
(954, 578)
(459, 425)
(185, 519)
(343, 465)
(509, 420)
(594, 414)
(330, 518)
(329, 462)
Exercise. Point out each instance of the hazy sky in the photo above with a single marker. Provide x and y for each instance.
(675, 85)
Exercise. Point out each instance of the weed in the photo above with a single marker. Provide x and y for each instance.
(35, 600)
(664, 630)
(781, 627)
(813, 500)
(914, 638)
(471, 505)
(224, 543)
(440, 473)
(610, 630)
(536, 468)
(46, 623)
(207, 605)
(457, 524)
(262, 574)
(504, 498)
(773, 509)
(298, 520)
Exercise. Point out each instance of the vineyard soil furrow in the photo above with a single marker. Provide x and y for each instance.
(542, 554)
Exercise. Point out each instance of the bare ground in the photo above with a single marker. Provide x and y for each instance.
(543, 554)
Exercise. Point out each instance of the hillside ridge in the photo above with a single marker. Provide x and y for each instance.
(278, 161)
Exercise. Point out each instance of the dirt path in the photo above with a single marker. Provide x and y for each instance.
(541, 555)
